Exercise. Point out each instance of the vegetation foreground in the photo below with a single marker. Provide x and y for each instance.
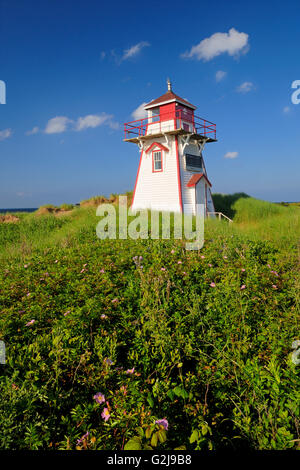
(141, 344)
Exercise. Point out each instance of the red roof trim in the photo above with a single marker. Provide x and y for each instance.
(167, 97)
(195, 179)
(157, 144)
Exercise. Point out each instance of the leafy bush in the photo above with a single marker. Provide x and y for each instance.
(115, 344)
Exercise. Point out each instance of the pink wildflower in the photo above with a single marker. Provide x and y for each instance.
(67, 312)
(274, 286)
(103, 316)
(105, 414)
(31, 322)
(79, 441)
(179, 262)
(99, 397)
(102, 271)
(243, 287)
(130, 371)
(114, 301)
(243, 270)
(172, 251)
(212, 284)
(210, 265)
(162, 269)
(162, 422)
(202, 256)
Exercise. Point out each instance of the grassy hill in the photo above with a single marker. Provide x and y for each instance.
(202, 339)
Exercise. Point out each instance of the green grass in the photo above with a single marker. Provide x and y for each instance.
(211, 357)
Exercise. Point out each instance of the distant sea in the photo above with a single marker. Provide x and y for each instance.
(3, 211)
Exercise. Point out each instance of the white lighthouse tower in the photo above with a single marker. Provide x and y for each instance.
(171, 175)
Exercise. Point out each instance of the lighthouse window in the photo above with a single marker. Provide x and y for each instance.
(157, 161)
(193, 162)
(155, 114)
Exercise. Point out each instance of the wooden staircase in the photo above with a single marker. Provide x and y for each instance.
(220, 215)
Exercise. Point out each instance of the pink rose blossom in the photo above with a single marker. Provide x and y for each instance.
(105, 414)
(99, 397)
(162, 422)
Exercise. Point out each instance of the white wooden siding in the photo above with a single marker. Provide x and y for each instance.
(158, 190)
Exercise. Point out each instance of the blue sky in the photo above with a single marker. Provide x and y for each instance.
(92, 64)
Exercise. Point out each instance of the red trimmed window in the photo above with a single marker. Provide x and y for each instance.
(157, 161)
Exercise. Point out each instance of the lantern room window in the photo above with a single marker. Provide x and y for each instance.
(157, 161)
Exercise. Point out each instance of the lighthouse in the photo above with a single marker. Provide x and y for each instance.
(171, 175)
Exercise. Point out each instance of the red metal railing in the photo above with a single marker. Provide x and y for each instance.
(180, 119)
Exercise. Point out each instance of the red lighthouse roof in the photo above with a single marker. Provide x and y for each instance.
(169, 97)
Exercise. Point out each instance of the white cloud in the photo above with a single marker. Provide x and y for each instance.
(5, 134)
(139, 112)
(95, 120)
(33, 131)
(231, 155)
(286, 109)
(61, 124)
(57, 125)
(232, 43)
(245, 87)
(133, 51)
(91, 120)
(220, 75)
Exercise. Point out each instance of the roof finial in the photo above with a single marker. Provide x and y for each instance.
(169, 84)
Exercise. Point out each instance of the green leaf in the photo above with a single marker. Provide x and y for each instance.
(162, 436)
(148, 432)
(194, 436)
(154, 440)
(150, 400)
(133, 444)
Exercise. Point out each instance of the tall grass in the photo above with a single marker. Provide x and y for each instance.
(253, 218)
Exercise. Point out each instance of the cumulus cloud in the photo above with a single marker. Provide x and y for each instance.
(133, 51)
(220, 75)
(91, 120)
(139, 112)
(95, 120)
(231, 155)
(231, 43)
(5, 134)
(57, 125)
(245, 87)
(33, 131)
(61, 124)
